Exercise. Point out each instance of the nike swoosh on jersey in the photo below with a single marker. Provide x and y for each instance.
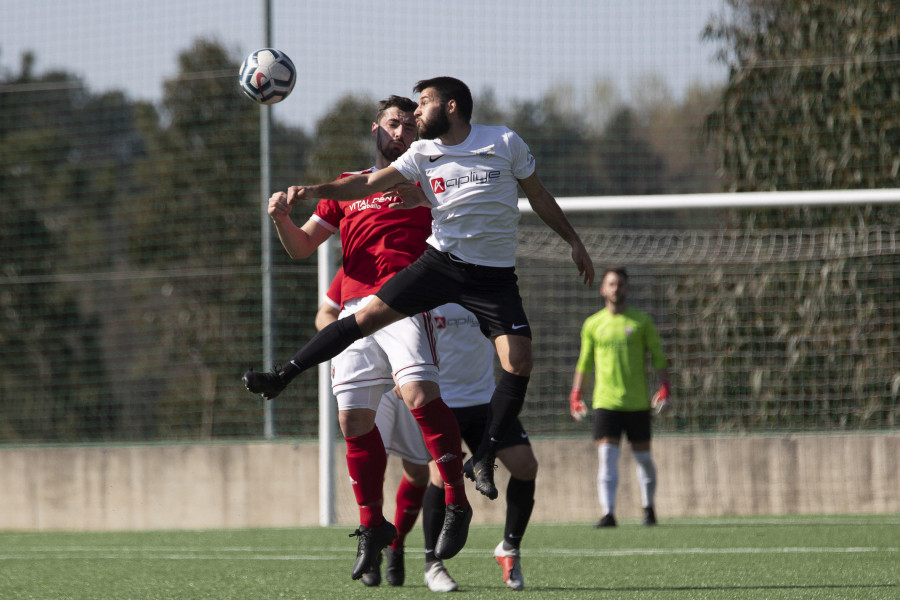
(434, 158)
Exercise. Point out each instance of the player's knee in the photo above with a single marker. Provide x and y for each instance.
(416, 394)
(528, 469)
(520, 461)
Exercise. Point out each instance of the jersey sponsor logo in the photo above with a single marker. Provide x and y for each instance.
(486, 151)
(442, 322)
(365, 204)
(440, 185)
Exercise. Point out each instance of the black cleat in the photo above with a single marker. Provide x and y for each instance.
(607, 521)
(268, 385)
(372, 577)
(371, 543)
(481, 471)
(394, 569)
(454, 532)
(649, 516)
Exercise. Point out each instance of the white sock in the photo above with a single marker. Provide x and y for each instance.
(646, 472)
(608, 477)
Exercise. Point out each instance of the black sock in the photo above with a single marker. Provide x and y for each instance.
(433, 509)
(519, 502)
(325, 345)
(506, 404)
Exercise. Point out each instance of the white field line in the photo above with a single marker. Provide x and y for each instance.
(319, 554)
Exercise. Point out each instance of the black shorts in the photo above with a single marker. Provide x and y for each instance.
(473, 423)
(611, 424)
(436, 278)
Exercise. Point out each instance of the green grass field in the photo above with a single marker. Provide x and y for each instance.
(833, 557)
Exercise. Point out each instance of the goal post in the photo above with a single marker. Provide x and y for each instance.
(785, 329)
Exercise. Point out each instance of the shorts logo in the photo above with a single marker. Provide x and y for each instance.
(446, 458)
(437, 185)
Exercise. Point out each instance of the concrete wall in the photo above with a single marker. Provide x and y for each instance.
(276, 484)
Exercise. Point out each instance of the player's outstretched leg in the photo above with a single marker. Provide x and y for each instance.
(325, 345)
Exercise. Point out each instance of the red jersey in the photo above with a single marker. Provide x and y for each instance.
(376, 241)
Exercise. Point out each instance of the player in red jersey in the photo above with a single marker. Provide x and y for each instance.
(402, 438)
(377, 242)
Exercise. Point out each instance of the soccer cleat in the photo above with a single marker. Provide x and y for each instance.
(438, 579)
(394, 569)
(371, 543)
(268, 385)
(607, 521)
(372, 577)
(511, 562)
(481, 471)
(649, 516)
(454, 532)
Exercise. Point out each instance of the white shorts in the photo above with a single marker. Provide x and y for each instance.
(404, 351)
(400, 431)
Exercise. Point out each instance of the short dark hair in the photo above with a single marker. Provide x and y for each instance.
(401, 102)
(620, 271)
(450, 88)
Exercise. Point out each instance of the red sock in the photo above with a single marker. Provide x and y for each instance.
(441, 433)
(409, 503)
(366, 463)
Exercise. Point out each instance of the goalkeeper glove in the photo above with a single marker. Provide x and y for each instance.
(660, 402)
(576, 406)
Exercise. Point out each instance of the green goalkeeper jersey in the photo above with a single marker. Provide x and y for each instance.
(616, 347)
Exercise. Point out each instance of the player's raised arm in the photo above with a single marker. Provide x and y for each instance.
(545, 206)
(344, 189)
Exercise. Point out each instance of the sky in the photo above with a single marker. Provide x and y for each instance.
(518, 49)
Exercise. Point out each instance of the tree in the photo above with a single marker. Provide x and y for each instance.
(812, 97)
(49, 335)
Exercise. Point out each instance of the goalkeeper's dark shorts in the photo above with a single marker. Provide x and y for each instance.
(436, 278)
(612, 423)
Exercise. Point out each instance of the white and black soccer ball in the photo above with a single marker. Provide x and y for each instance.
(267, 76)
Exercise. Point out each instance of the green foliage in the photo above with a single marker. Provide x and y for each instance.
(813, 96)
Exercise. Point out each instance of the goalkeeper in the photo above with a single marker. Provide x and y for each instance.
(615, 342)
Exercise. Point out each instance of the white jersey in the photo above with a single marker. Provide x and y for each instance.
(473, 188)
(467, 357)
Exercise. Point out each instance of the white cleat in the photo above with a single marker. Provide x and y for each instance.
(511, 562)
(438, 579)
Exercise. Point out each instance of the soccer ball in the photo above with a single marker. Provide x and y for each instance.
(267, 76)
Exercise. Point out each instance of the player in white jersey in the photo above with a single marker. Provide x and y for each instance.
(467, 383)
(470, 175)
(377, 242)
